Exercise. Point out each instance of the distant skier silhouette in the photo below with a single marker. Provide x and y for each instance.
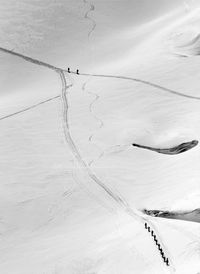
(171, 151)
(152, 234)
(145, 225)
(77, 71)
(68, 70)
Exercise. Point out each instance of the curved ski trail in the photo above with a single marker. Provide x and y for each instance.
(92, 8)
(99, 121)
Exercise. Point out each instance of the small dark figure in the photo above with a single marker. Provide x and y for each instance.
(167, 261)
(152, 233)
(154, 237)
(68, 70)
(77, 71)
(145, 225)
(162, 254)
(158, 245)
(149, 229)
(156, 242)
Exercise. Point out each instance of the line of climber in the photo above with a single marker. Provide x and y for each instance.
(69, 71)
(166, 260)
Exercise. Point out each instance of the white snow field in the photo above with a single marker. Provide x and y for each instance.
(73, 189)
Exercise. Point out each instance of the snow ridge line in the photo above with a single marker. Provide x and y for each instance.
(92, 8)
(41, 63)
(29, 59)
(120, 201)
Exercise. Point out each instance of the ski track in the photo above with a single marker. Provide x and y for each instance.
(92, 8)
(101, 124)
(143, 82)
(29, 108)
(133, 212)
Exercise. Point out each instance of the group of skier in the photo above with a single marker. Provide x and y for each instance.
(166, 260)
(68, 70)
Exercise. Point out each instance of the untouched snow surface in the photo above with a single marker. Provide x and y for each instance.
(73, 188)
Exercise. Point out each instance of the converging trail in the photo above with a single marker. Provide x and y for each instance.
(133, 212)
(77, 155)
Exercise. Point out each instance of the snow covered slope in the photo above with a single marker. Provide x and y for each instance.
(73, 188)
